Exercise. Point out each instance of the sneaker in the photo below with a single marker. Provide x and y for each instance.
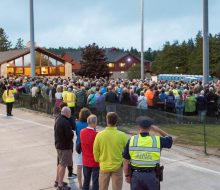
(63, 188)
(56, 184)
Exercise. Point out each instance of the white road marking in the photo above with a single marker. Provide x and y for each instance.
(32, 122)
(192, 166)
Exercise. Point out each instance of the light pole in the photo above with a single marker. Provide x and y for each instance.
(32, 48)
(205, 42)
(142, 39)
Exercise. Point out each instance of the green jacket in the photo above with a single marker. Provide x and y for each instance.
(190, 104)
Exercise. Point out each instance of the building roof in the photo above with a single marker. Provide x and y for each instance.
(7, 56)
(76, 55)
(112, 55)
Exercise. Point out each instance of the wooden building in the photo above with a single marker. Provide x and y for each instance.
(18, 63)
(119, 62)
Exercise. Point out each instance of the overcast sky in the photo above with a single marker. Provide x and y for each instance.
(109, 23)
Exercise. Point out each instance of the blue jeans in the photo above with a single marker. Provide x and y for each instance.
(202, 115)
(89, 172)
(179, 114)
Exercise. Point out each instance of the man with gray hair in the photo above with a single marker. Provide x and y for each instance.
(63, 142)
(90, 167)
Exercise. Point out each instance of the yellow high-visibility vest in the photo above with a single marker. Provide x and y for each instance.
(64, 94)
(70, 99)
(144, 151)
(175, 92)
(8, 96)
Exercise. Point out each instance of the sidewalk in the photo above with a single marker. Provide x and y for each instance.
(28, 157)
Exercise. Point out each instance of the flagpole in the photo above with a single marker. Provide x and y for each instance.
(142, 39)
(205, 43)
(32, 48)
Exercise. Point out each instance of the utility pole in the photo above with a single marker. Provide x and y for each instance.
(32, 44)
(142, 40)
(205, 43)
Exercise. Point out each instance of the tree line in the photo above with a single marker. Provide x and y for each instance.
(187, 57)
(184, 57)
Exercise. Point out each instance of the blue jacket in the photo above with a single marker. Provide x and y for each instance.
(79, 126)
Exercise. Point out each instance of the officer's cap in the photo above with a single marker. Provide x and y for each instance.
(144, 122)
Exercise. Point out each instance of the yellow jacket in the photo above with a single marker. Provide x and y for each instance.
(8, 96)
(108, 147)
(70, 99)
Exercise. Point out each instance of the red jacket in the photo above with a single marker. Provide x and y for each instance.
(87, 138)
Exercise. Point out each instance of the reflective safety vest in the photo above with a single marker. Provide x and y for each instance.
(175, 92)
(144, 151)
(8, 96)
(70, 99)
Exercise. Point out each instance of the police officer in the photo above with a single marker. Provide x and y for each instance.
(8, 98)
(142, 155)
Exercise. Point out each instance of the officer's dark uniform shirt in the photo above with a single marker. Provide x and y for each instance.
(165, 142)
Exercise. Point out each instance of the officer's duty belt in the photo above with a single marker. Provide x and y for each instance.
(148, 170)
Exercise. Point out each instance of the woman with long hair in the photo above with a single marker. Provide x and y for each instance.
(80, 124)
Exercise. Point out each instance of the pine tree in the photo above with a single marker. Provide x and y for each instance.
(93, 62)
(5, 45)
(19, 44)
(134, 72)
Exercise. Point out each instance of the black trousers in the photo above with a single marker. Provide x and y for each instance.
(72, 111)
(9, 107)
(89, 172)
(145, 181)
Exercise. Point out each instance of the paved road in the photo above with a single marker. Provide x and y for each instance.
(28, 158)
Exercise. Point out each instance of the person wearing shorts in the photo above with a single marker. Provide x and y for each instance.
(63, 142)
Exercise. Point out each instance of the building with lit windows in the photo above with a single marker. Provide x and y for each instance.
(119, 62)
(18, 63)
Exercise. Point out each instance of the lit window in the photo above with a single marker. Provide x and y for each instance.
(19, 71)
(27, 71)
(122, 72)
(37, 71)
(44, 70)
(53, 71)
(61, 71)
(110, 65)
(10, 70)
(122, 64)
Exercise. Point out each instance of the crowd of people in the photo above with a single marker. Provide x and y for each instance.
(104, 155)
(179, 97)
(81, 103)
